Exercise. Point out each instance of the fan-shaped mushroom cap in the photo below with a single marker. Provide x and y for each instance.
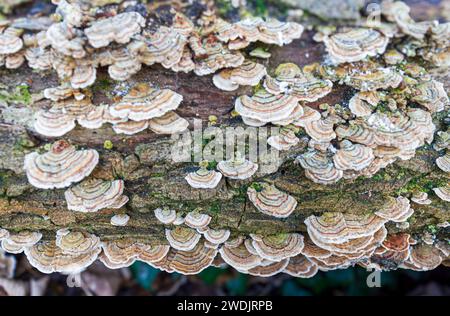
(248, 74)
(130, 127)
(217, 57)
(94, 119)
(65, 40)
(182, 238)
(393, 57)
(186, 64)
(165, 215)
(285, 139)
(278, 247)
(404, 132)
(279, 33)
(353, 156)
(119, 28)
(60, 167)
(38, 58)
(239, 257)
(223, 82)
(235, 242)
(237, 168)
(94, 194)
(76, 242)
(398, 12)
(397, 210)
(83, 76)
(59, 93)
(256, 29)
(424, 258)
(272, 201)
(397, 242)
(353, 248)
(268, 268)
(309, 115)
(301, 267)
(217, 236)
(389, 259)
(49, 258)
(165, 46)
(14, 61)
(266, 107)
(340, 228)
(421, 198)
(74, 107)
(204, 178)
(319, 168)
(53, 123)
(151, 254)
(252, 122)
(120, 220)
(432, 95)
(355, 45)
(321, 130)
(304, 86)
(197, 220)
(311, 250)
(169, 123)
(297, 114)
(124, 64)
(374, 79)
(115, 265)
(179, 220)
(362, 103)
(187, 262)
(444, 162)
(123, 252)
(16, 243)
(443, 193)
(144, 102)
(10, 41)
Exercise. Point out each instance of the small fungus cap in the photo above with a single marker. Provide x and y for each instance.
(60, 167)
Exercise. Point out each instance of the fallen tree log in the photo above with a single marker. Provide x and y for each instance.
(153, 180)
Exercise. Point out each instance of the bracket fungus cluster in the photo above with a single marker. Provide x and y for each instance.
(393, 109)
(61, 166)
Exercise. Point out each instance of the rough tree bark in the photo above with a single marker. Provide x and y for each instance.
(153, 180)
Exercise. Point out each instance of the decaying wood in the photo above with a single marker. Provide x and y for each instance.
(153, 180)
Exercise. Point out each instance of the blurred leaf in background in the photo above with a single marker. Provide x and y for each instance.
(144, 274)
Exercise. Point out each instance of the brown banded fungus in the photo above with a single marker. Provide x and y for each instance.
(197, 220)
(237, 168)
(204, 178)
(59, 167)
(93, 195)
(119, 29)
(144, 103)
(278, 247)
(47, 257)
(182, 238)
(165, 215)
(187, 262)
(16, 243)
(248, 74)
(120, 220)
(355, 45)
(271, 201)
